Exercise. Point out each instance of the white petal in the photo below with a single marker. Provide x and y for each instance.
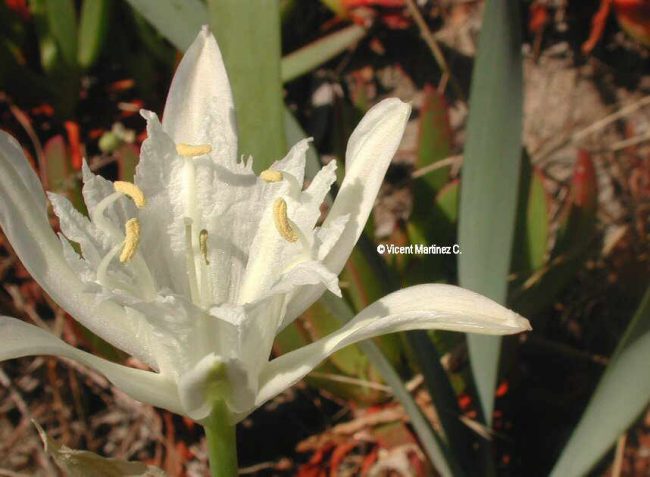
(327, 236)
(14, 158)
(78, 264)
(96, 188)
(321, 184)
(370, 150)
(78, 228)
(199, 106)
(294, 162)
(309, 272)
(23, 218)
(443, 307)
(21, 339)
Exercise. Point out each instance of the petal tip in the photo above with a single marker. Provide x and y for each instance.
(520, 323)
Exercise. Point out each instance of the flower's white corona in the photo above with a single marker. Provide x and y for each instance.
(197, 266)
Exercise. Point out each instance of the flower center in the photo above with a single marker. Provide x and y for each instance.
(196, 243)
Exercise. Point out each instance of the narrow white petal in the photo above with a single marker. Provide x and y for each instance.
(96, 188)
(78, 228)
(24, 220)
(309, 272)
(321, 184)
(370, 150)
(21, 339)
(12, 156)
(294, 162)
(199, 106)
(443, 307)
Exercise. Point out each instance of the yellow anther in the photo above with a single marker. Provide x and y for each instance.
(282, 221)
(203, 245)
(271, 176)
(131, 240)
(132, 190)
(190, 150)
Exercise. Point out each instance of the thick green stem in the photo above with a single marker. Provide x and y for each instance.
(222, 442)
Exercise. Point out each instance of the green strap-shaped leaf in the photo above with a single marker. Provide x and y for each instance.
(93, 24)
(177, 20)
(310, 56)
(490, 176)
(622, 394)
(180, 20)
(249, 37)
(62, 20)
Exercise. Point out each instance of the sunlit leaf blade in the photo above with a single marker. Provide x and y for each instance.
(307, 58)
(337, 6)
(435, 140)
(577, 228)
(57, 163)
(249, 37)
(532, 224)
(431, 443)
(63, 25)
(127, 160)
(490, 175)
(177, 20)
(49, 52)
(93, 23)
(622, 394)
(425, 225)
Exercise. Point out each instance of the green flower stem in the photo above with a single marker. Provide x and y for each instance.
(222, 442)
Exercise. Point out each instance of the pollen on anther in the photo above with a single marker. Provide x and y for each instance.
(271, 176)
(191, 150)
(203, 245)
(131, 240)
(282, 221)
(132, 190)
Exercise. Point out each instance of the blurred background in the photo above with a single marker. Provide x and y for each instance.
(528, 146)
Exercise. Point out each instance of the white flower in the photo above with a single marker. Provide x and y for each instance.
(196, 267)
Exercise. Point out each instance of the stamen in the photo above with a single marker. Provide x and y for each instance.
(102, 269)
(190, 150)
(282, 221)
(271, 176)
(203, 245)
(101, 221)
(132, 190)
(131, 240)
(189, 261)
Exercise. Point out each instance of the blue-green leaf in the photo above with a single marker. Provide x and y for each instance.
(490, 176)
(249, 37)
(177, 20)
(622, 394)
